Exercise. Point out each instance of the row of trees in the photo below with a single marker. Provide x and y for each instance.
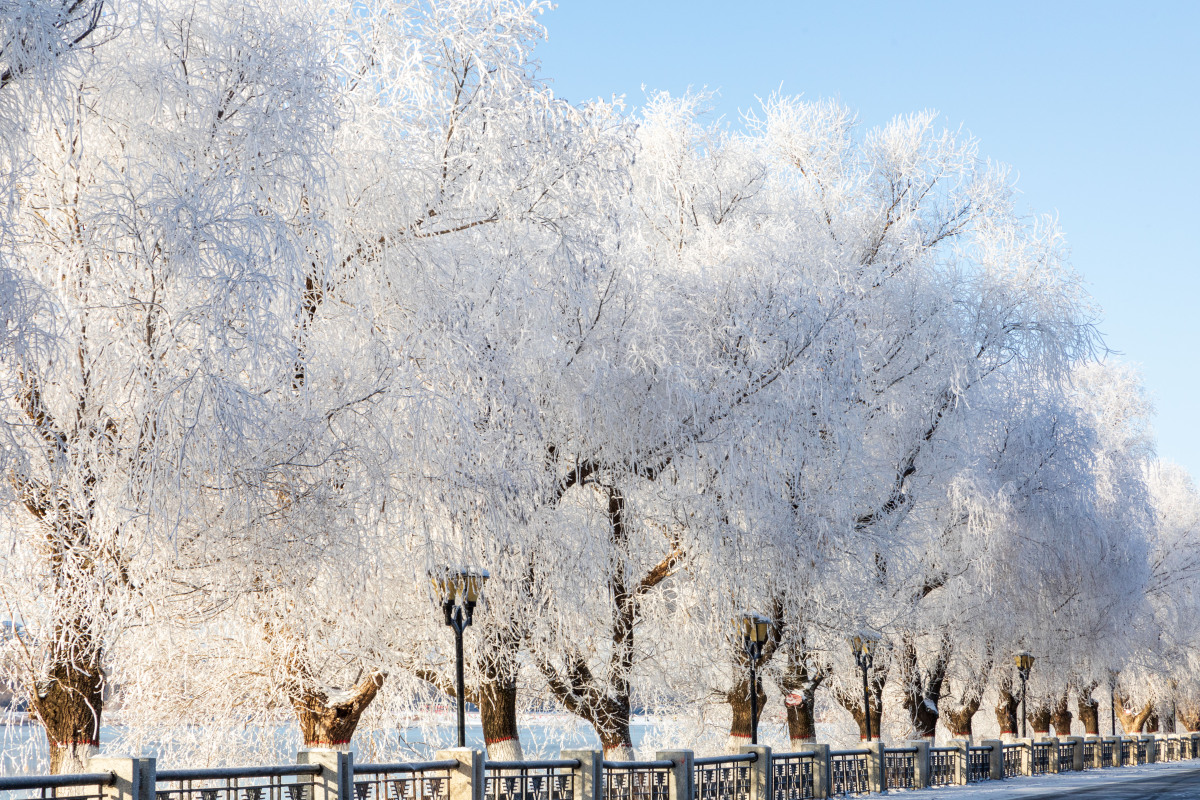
(303, 301)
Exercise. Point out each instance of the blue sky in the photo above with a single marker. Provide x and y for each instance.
(1096, 105)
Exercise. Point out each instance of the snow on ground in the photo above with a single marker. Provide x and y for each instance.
(1064, 782)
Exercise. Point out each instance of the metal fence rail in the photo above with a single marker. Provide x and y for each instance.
(529, 780)
(1089, 754)
(792, 774)
(848, 771)
(900, 767)
(1127, 752)
(723, 777)
(1039, 758)
(979, 763)
(637, 780)
(1141, 751)
(941, 765)
(1066, 756)
(284, 782)
(1012, 759)
(419, 780)
(47, 786)
(1106, 753)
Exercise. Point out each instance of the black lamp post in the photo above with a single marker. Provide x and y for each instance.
(864, 656)
(1112, 705)
(460, 590)
(1024, 662)
(754, 630)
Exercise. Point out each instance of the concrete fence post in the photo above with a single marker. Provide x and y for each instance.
(1151, 744)
(133, 777)
(335, 781)
(466, 780)
(1052, 765)
(1076, 753)
(682, 774)
(960, 760)
(589, 775)
(822, 777)
(876, 773)
(761, 778)
(920, 763)
(995, 759)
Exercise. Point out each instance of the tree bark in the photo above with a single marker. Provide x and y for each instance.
(1061, 716)
(1132, 722)
(922, 690)
(1039, 717)
(739, 696)
(1189, 715)
(1089, 710)
(69, 705)
(331, 724)
(1007, 709)
(800, 684)
(852, 701)
(1152, 722)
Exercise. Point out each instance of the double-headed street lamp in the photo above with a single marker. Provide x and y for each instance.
(459, 590)
(754, 630)
(1024, 662)
(864, 655)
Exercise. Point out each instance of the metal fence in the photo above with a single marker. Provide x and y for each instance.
(637, 780)
(1141, 751)
(848, 771)
(1039, 758)
(1012, 759)
(1106, 753)
(792, 775)
(723, 777)
(1066, 756)
(46, 786)
(1128, 751)
(900, 767)
(286, 782)
(1089, 754)
(979, 763)
(528, 780)
(941, 765)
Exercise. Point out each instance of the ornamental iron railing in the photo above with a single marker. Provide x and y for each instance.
(1089, 754)
(637, 780)
(1128, 751)
(900, 767)
(941, 765)
(1106, 753)
(284, 782)
(1012, 759)
(530, 780)
(979, 763)
(1039, 758)
(1066, 756)
(78, 786)
(1141, 751)
(792, 775)
(418, 780)
(723, 777)
(848, 772)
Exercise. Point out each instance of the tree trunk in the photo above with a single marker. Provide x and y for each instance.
(1061, 716)
(922, 691)
(1039, 718)
(851, 701)
(1189, 715)
(800, 687)
(739, 701)
(69, 706)
(1006, 709)
(1152, 722)
(326, 724)
(1089, 710)
(497, 701)
(1168, 723)
(959, 717)
(1132, 722)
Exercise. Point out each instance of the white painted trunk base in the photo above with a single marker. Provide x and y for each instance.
(505, 750)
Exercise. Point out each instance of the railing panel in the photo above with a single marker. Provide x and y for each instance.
(792, 774)
(1089, 754)
(1127, 752)
(1012, 759)
(633, 780)
(900, 766)
(285, 782)
(1141, 751)
(941, 765)
(1039, 758)
(529, 780)
(848, 771)
(417, 781)
(979, 764)
(1106, 753)
(723, 778)
(87, 786)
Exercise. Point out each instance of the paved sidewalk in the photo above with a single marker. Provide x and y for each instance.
(1175, 780)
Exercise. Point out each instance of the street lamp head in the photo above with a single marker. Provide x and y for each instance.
(459, 586)
(1024, 661)
(863, 646)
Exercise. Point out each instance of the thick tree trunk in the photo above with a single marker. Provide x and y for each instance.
(1152, 722)
(852, 702)
(1061, 716)
(69, 705)
(1132, 722)
(739, 701)
(1089, 710)
(1039, 718)
(959, 719)
(800, 691)
(1168, 723)
(330, 724)
(922, 690)
(497, 701)
(1189, 715)
(1007, 709)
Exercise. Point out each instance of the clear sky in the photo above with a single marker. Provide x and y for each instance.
(1096, 105)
